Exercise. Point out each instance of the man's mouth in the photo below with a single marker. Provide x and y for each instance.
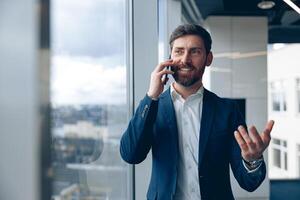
(185, 69)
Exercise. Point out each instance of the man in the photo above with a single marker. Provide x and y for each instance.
(194, 134)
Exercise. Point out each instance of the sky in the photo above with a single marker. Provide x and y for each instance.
(88, 52)
(79, 80)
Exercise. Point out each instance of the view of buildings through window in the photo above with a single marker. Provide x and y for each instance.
(88, 99)
(284, 107)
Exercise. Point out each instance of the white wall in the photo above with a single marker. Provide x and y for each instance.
(169, 18)
(239, 70)
(145, 58)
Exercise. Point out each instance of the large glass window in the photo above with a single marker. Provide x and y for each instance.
(88, 99)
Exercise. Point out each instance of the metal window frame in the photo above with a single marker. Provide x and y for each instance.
(283, 150)
(130, 86)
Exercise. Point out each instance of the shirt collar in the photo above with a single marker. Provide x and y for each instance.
(175, 94)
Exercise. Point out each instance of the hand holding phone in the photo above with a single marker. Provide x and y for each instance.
(158, 78)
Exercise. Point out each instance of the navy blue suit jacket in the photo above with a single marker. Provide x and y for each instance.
(153, 126)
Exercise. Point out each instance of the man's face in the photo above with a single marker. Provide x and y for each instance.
(190, 54)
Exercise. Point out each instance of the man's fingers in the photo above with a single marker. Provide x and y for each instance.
(246, 137)
(171, 62)
(162, 65)
(244, 134)
(269, 126)
(165, 72)
(266, 135)
(256, 137)
(242, 143)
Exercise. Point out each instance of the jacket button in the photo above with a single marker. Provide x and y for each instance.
(144, 111)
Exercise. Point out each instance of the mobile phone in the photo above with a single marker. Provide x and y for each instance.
(166, 75)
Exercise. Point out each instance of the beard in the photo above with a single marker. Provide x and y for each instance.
(190, 78)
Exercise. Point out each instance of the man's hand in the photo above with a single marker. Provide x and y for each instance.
(254, 144)
(157, 81)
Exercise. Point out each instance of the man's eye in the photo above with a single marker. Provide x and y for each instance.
(195, 51)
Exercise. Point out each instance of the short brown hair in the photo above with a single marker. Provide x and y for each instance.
(192, 29)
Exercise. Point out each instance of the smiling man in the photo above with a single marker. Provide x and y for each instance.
(194, 134)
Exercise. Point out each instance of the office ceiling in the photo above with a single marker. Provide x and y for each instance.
(283, 21)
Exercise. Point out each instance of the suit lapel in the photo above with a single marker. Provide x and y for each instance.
(169, 119)
(206, 122)
(168, 111)
(169, 116)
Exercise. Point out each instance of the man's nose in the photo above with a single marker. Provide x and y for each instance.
(186, 58)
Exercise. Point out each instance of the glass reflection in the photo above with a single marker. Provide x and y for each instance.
(88, 98)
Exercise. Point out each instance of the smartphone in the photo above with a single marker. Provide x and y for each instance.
(166, 75)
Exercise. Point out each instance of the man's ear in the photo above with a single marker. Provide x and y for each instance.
(209, 59)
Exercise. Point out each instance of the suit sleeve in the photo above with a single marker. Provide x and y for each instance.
(248, 181)
(137, 140)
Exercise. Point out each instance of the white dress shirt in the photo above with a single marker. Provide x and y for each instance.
(188, 116)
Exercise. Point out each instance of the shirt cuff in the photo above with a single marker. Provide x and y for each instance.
(154, 99)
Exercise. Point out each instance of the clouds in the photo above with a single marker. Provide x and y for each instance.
(93, 28)
(88, 52)
(84, 80)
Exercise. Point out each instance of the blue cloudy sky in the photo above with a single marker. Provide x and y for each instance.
(88, 52)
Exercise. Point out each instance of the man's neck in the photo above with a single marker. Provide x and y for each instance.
(185, 92)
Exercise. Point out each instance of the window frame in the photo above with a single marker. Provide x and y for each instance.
(277, 88)
(282, 147)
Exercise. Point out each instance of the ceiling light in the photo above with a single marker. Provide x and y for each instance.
(266, 4)
(293, 5)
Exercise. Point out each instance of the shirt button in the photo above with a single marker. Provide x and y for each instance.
(193, 190)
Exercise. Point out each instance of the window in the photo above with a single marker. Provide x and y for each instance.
(88, 99)
(278, 96)
(279, 149)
